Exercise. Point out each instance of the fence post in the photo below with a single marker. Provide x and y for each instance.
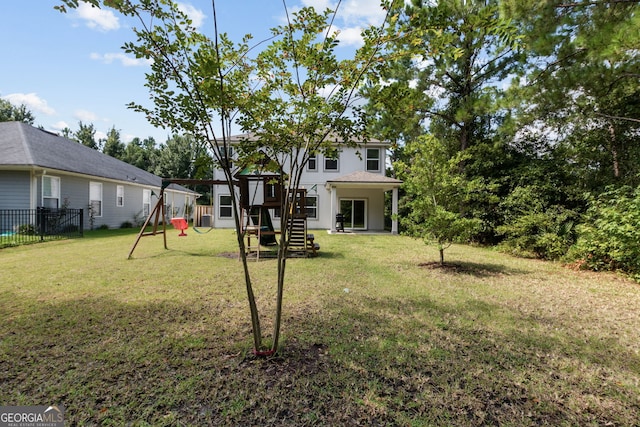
(41, 222)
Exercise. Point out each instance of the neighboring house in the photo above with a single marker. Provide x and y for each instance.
(353, 184)
(42, 169)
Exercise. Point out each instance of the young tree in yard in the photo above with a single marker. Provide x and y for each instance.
(295, 96)
(434, 211)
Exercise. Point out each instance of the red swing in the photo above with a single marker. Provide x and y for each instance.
(180, 224)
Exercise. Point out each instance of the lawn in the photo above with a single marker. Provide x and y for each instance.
(373, 334)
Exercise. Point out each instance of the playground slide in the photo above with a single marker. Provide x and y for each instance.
(260, 215)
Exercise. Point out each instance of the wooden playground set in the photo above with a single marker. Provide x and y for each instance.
(255, 219)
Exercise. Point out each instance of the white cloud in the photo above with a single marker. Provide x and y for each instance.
(352, 11)
(103, 20)
(59, 126)
(351, 18)
(85, 116)
(319, 5)
(127, 61)
(351, 37)
(127, 137)
(196, 15)
(362, 11)
(32, 101)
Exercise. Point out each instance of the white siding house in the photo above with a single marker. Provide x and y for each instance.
(39, 169)
(353, 184)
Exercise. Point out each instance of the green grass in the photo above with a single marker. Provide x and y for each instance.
(372, 335)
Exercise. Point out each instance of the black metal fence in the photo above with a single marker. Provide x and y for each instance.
(20, 226)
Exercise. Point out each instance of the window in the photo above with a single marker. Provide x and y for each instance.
(120, 196)
(95, 199)
(373, 159)
(225, 207)
(331, 164)
(312, 165)
(226, 157)
(50, 192)
(311, 206)
(146, 202)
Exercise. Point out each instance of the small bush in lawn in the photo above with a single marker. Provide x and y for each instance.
(126, 224)
(27, 229)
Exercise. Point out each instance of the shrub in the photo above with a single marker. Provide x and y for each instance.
(533, 228)
(27, 229)
(609, 238)
(126, 224)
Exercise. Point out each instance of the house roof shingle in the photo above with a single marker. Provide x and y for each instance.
(25, 145)
(366, 179)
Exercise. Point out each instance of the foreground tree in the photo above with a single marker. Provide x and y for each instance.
(295, 95)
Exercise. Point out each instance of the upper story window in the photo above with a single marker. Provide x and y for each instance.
(373, 159)
(226, 157)
(120, 196)
(312, 164)
(50, 192)
(331, 160)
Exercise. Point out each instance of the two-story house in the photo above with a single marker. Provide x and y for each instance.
(353, 183)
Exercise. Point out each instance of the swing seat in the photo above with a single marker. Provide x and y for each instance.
(180, 224)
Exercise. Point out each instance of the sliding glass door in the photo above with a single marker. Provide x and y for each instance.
(355, 213)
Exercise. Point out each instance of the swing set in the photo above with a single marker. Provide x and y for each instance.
(255, 219)
(180, 223)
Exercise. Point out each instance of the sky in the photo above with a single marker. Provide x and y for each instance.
(70, 68)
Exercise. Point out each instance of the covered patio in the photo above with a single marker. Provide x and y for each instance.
(359, 197)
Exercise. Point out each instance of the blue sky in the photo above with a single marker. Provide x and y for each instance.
(70, 67)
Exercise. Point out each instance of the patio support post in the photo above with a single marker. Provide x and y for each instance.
(394, 211)
(334, 207)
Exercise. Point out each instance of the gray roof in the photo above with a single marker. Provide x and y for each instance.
(366, 178)
(23, 145)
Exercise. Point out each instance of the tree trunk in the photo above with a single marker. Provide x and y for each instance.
(441, 256)
(614, 152)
